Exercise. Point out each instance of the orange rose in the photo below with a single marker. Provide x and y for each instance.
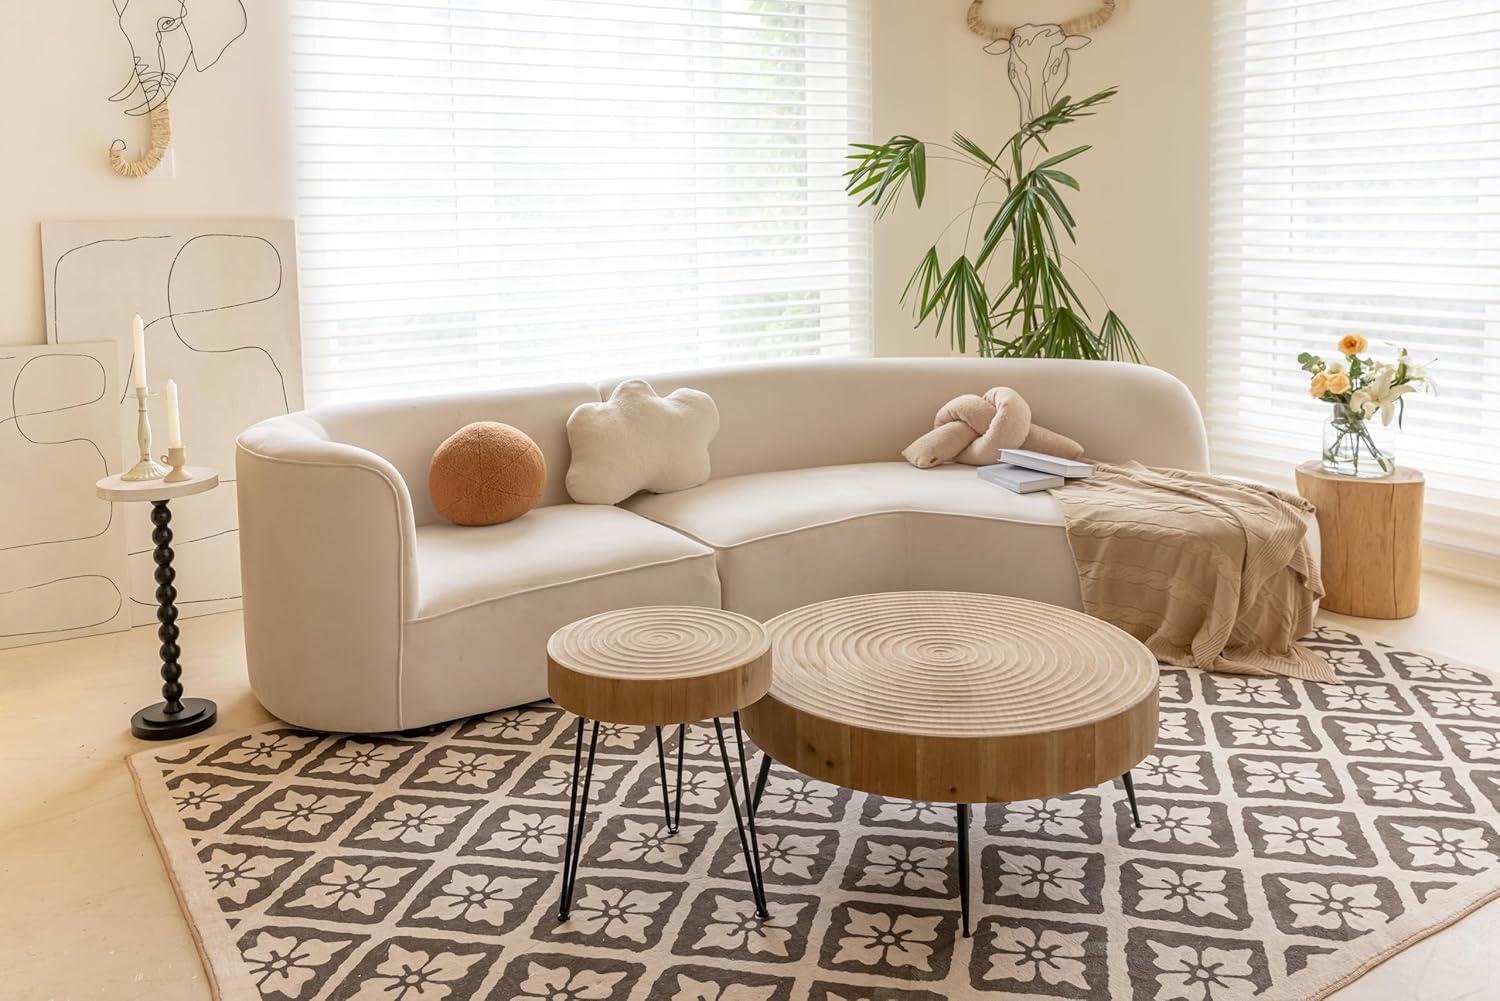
(1338, 383)
(1319, 385)
(1352, 344)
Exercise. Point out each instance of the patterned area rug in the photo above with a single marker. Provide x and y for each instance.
(1294, 835)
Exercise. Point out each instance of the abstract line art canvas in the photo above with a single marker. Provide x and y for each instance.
(219, 300)
(62, 549)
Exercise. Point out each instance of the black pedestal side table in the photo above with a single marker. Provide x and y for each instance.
(175, 716)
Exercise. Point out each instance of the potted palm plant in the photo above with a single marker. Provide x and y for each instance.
(1036, 312)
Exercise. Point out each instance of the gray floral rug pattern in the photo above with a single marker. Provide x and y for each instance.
(1293, 834)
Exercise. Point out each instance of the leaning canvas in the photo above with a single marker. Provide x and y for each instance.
(219, 298)
(62, 549)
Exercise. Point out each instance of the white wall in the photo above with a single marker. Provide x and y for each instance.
(1143, 211)
(62, 59)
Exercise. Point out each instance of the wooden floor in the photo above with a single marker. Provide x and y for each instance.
(86, 910)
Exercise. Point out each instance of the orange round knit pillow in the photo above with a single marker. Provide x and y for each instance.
(485, 474)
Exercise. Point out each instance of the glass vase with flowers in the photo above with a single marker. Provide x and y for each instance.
(1360, 389)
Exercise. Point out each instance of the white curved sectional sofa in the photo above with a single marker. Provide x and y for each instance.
(364, 611)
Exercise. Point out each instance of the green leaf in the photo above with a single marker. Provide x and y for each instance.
(928, 273)
(974, 150)
(880, 170)
(1053, 161)
(1061, 178)
(1117, 341)
(1000, 224)
(963, 304)
(918, 156)
(1055, 200)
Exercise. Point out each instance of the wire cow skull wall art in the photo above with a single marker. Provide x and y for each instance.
(1037, 54)
(166, 36)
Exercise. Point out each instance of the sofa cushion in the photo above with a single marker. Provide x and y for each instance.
(793, 537)
(490, 597)
(486, 473)
(637, 440)
(550, 547)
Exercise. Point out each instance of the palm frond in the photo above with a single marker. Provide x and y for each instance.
(880, 170)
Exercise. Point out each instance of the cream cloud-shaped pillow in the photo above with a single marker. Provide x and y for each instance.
(640, 441)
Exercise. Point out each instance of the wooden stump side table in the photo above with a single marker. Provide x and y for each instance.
(175, 716)
(654, 666)
(1371, 533)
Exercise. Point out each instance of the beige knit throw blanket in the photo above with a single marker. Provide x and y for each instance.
(1207, 572)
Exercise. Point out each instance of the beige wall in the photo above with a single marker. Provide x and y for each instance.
(1143, 211)
(62, 60)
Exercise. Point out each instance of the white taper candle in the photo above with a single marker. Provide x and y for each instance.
(138, 352)
(174, 416)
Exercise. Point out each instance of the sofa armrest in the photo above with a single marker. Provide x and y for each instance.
(328, 570)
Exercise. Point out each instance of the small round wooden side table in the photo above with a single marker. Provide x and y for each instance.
(952, 697)
(654, 666)
(1371, 535)
(175, 716)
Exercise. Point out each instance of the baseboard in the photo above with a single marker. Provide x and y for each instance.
(1464, 564)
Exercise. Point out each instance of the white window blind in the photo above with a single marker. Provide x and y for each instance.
(510, 191)
(1356, 187)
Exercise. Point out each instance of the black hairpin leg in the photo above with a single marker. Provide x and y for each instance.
(578, 808)
(1135, 813)
(963, 864)
(749, 845)
(760, 782)
(661, 764)
(681, 743)
(739, 743)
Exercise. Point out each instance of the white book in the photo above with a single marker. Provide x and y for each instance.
(1071, 468)
(1022, 481)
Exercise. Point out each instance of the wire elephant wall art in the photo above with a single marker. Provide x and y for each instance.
(165, 37)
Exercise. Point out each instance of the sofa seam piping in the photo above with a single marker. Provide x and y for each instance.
(840, 521)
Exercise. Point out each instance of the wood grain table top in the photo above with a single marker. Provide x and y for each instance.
(947, 696)
(659, 664)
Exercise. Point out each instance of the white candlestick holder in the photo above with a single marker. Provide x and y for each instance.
(177, 459)
(147, 468)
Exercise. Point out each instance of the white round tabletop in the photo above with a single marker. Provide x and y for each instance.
(200, 479)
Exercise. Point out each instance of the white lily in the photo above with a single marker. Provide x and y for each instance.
(1380, 395)
(1414, 373)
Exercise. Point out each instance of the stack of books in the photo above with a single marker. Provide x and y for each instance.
(1027, 472)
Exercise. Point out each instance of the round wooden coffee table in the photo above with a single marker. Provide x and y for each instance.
(957, 698)
(654, 666)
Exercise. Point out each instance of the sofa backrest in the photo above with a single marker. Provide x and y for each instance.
(407, 432)
(791, 415)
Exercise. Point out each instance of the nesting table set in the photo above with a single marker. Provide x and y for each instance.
(928, 695)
